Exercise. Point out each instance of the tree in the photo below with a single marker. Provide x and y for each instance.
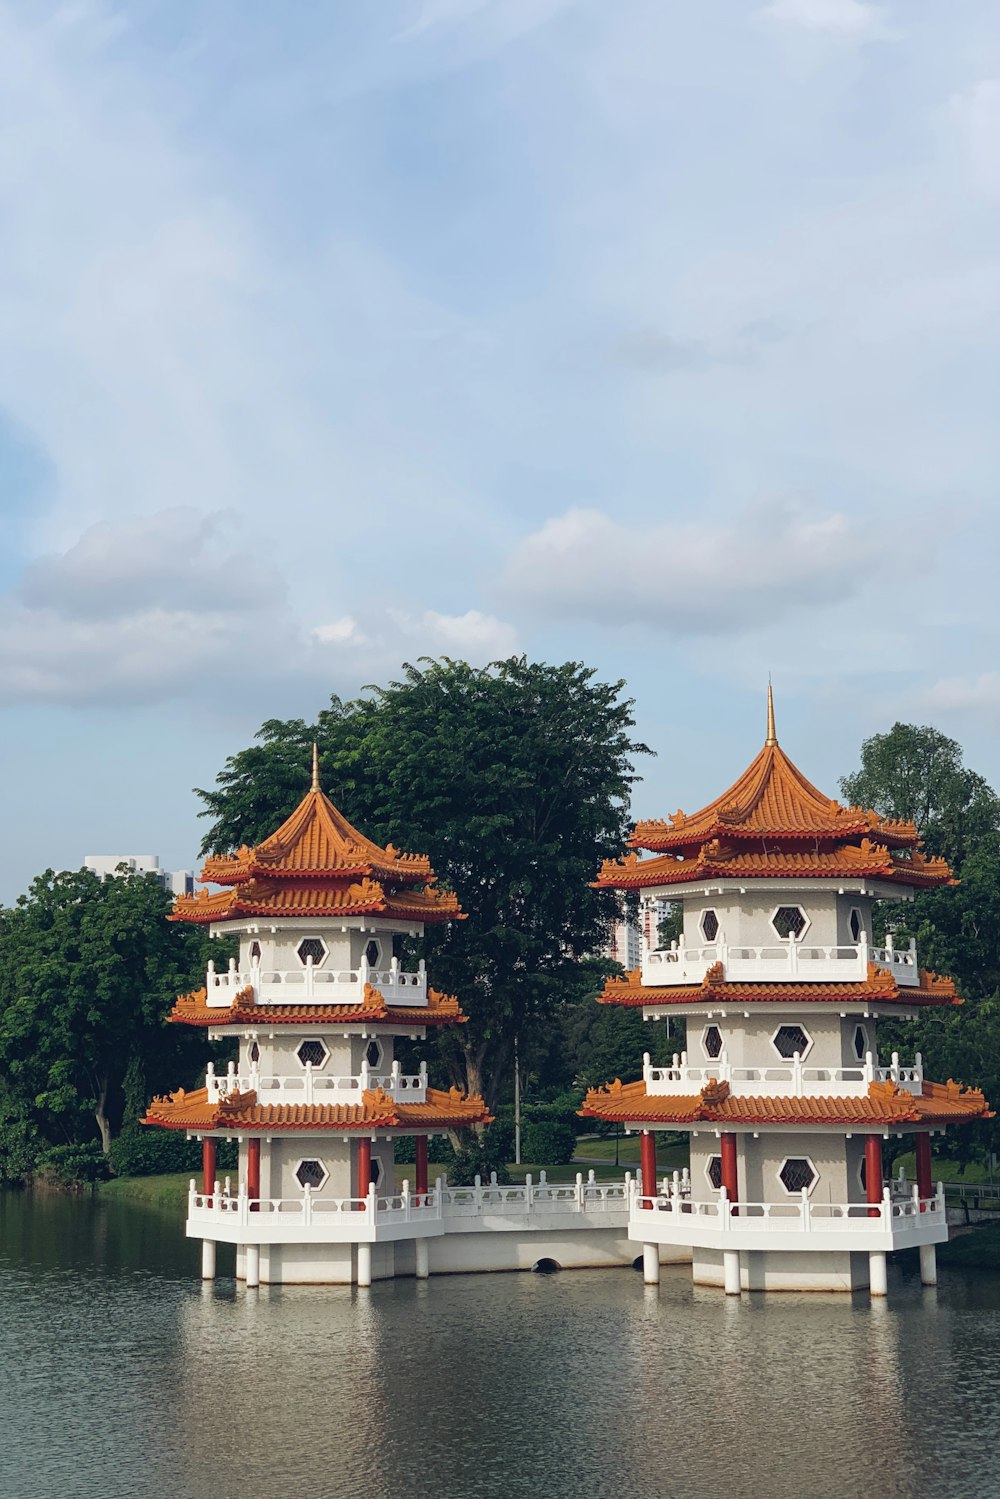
(88, 971)
(917, 773)
(515, 779)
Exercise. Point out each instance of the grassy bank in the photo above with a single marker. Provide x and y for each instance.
(979, 1249)
(155, 1191)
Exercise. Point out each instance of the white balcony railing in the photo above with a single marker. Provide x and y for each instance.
(311, 985)
(796, 1223)
(778, 962)
(793, 1079)
(312, 1085)
(313, 1217)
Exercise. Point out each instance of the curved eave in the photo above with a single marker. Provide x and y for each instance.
(879, 989)
(441, 1009)
(376, 1112)
(940, 1104)
(308, 900)
(644, 874)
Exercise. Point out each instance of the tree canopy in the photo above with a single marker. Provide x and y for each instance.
(515, 778)
(89, 968)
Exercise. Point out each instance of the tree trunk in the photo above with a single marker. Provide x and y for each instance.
(101, 1117)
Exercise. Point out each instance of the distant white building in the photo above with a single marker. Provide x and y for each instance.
(175, 881)
(624, 945)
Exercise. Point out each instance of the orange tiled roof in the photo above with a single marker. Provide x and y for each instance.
(940, 1103)
(441, 1009)
(376, 1110)
(771, 797)
(723, 859)
(316, 862)
(880, 987)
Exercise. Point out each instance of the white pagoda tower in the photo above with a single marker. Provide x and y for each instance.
(316, 1100)
(782, 1089)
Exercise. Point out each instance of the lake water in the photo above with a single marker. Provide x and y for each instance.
(121, 1377)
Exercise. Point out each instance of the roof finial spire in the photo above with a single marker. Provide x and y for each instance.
(772, 737)
(315, 784)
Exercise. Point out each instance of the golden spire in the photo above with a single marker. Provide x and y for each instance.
(315, 784)
(772, 737)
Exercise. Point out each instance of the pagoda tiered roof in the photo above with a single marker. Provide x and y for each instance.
(316, 863)
(377, 1110)
(773, 823)
(440, 1009)
(885, 1103)
(880, 987)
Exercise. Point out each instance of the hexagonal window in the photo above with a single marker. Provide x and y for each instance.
(789, 922)
(311, 1174)
(709, 925)
(254, 1052)
(789, 1039)
(856, 925)
(714, 1171)
(798, 1174)
(712, 1041)
(373, 953)
(312, 1053)
(376, 1171)
(311, 947)
(255, 952)
(374, 1055)
(860, 1042)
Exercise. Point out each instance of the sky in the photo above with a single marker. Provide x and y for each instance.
(653, 334)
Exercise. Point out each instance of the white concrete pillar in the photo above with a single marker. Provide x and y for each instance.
(731, 1271)
(421, 1250)
(364, 1264)
(878, 1282)
(208, 1259)
(928, 1264)
(253, 1265)
(651, 1264)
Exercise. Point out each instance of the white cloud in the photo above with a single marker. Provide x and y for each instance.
(849, 18)
(173, 606)
(976, 112)
(961, 694)
(689, 577)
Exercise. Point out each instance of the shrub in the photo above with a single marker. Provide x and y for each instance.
(141, 1151)
(72, 1165)
(546, 1142)
(438, 1150)
(478, 1157)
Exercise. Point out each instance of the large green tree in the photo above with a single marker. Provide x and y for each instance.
(515, 779)
(89, 968)
(918, 773)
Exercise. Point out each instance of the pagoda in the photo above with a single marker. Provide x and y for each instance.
(782, 1089)
(316, 1000)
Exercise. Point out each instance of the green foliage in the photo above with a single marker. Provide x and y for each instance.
(89, 969)
(515, 779)
(439, 1150)
(479, 1155)
(72, 1165)
(603, 1042)
(142, 1151)
(917, 773)
(547, 1141)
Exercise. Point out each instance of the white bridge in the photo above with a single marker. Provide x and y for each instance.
(780, 962)
(310, 984)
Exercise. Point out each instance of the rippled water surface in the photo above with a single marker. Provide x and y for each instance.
(121, 1376)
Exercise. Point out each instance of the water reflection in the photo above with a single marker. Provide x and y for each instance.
(121, 1375)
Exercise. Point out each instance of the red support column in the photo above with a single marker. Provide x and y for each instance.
(208, 1165)
(730, 1177)
(364, 1167)
(925, 1185)
(421, 1158)
(253, 1173)
(647, 1161)
(873, 1173)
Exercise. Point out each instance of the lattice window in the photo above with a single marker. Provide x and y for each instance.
(714, 1171)
(789, 922)
(310, 1174)
(311, 947)
(312, 1051)
(789, 1039)
(709, 925)
(797, 1174)
(856, 924)
(255, 952)
(374, 1054)
(254, 1052)
(373, 953)
(860, 1043)
(713, 1041)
